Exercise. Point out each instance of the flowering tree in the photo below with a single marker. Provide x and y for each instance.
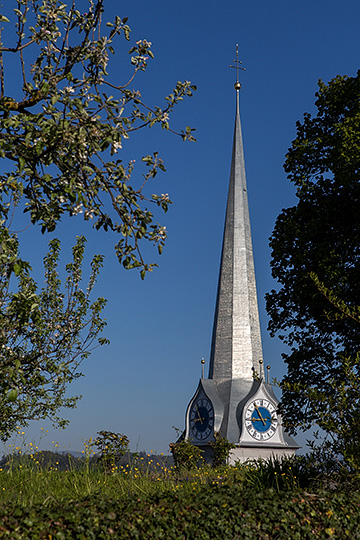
(65, 121)
(62, 125)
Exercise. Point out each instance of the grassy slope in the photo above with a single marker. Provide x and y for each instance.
(149, 499)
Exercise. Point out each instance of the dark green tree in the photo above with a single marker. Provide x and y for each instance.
(316, 261)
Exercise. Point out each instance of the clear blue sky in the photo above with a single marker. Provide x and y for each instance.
(160, 329)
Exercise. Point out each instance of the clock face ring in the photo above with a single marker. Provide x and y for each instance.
(261, 420)
(201, 418)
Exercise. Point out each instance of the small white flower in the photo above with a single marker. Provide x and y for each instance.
(144, 43)
(116, 146)
(77, 209)
(69, 89)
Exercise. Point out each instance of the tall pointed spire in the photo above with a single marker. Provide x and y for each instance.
(236, 350)
(232, 402)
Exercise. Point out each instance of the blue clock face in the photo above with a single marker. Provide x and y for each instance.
(261, 419)
(201, 419)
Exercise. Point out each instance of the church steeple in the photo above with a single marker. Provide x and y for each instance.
(236, 349)
(236, 344)
(236, 401)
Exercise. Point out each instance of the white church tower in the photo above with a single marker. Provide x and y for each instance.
(235, 400)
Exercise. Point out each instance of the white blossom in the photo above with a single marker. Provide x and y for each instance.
(77, 209)
(116, 146)
(144, 43)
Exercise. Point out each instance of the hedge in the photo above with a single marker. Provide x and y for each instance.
(209, 513)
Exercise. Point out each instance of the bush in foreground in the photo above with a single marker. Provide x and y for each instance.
(208, 513)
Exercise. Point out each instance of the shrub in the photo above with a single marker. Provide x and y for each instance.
(186, 455)
(221, 447)
(112, 447)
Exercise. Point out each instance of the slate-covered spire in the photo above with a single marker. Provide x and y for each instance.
(236, 349)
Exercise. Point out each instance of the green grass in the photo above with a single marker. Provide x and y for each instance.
(34, 477)
(49, 495)
(27, 484)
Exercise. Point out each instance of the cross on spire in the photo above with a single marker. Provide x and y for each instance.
(237, 67)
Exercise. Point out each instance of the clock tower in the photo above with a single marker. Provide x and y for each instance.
(235, 400)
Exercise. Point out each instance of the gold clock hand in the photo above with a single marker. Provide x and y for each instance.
(201, 420)
(260, 415)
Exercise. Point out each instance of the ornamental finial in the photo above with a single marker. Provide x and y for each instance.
(237, 66)
(202, 367)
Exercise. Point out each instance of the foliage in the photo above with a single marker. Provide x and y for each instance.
(221, 448)
(44, 334)
(278, 475)
(63, 120)
(314, 470)
(210, 512)
(186, 455)
(112, 447)
(315, 259)
(245, 502)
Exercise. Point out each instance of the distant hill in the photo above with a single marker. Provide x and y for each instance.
(62, 461)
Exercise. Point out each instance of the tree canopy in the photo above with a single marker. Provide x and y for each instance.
(315, 257)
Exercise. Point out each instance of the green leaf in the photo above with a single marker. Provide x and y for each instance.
(22, 163)
(17, 269)
(12, 395)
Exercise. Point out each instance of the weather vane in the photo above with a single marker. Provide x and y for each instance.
(237, 67)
